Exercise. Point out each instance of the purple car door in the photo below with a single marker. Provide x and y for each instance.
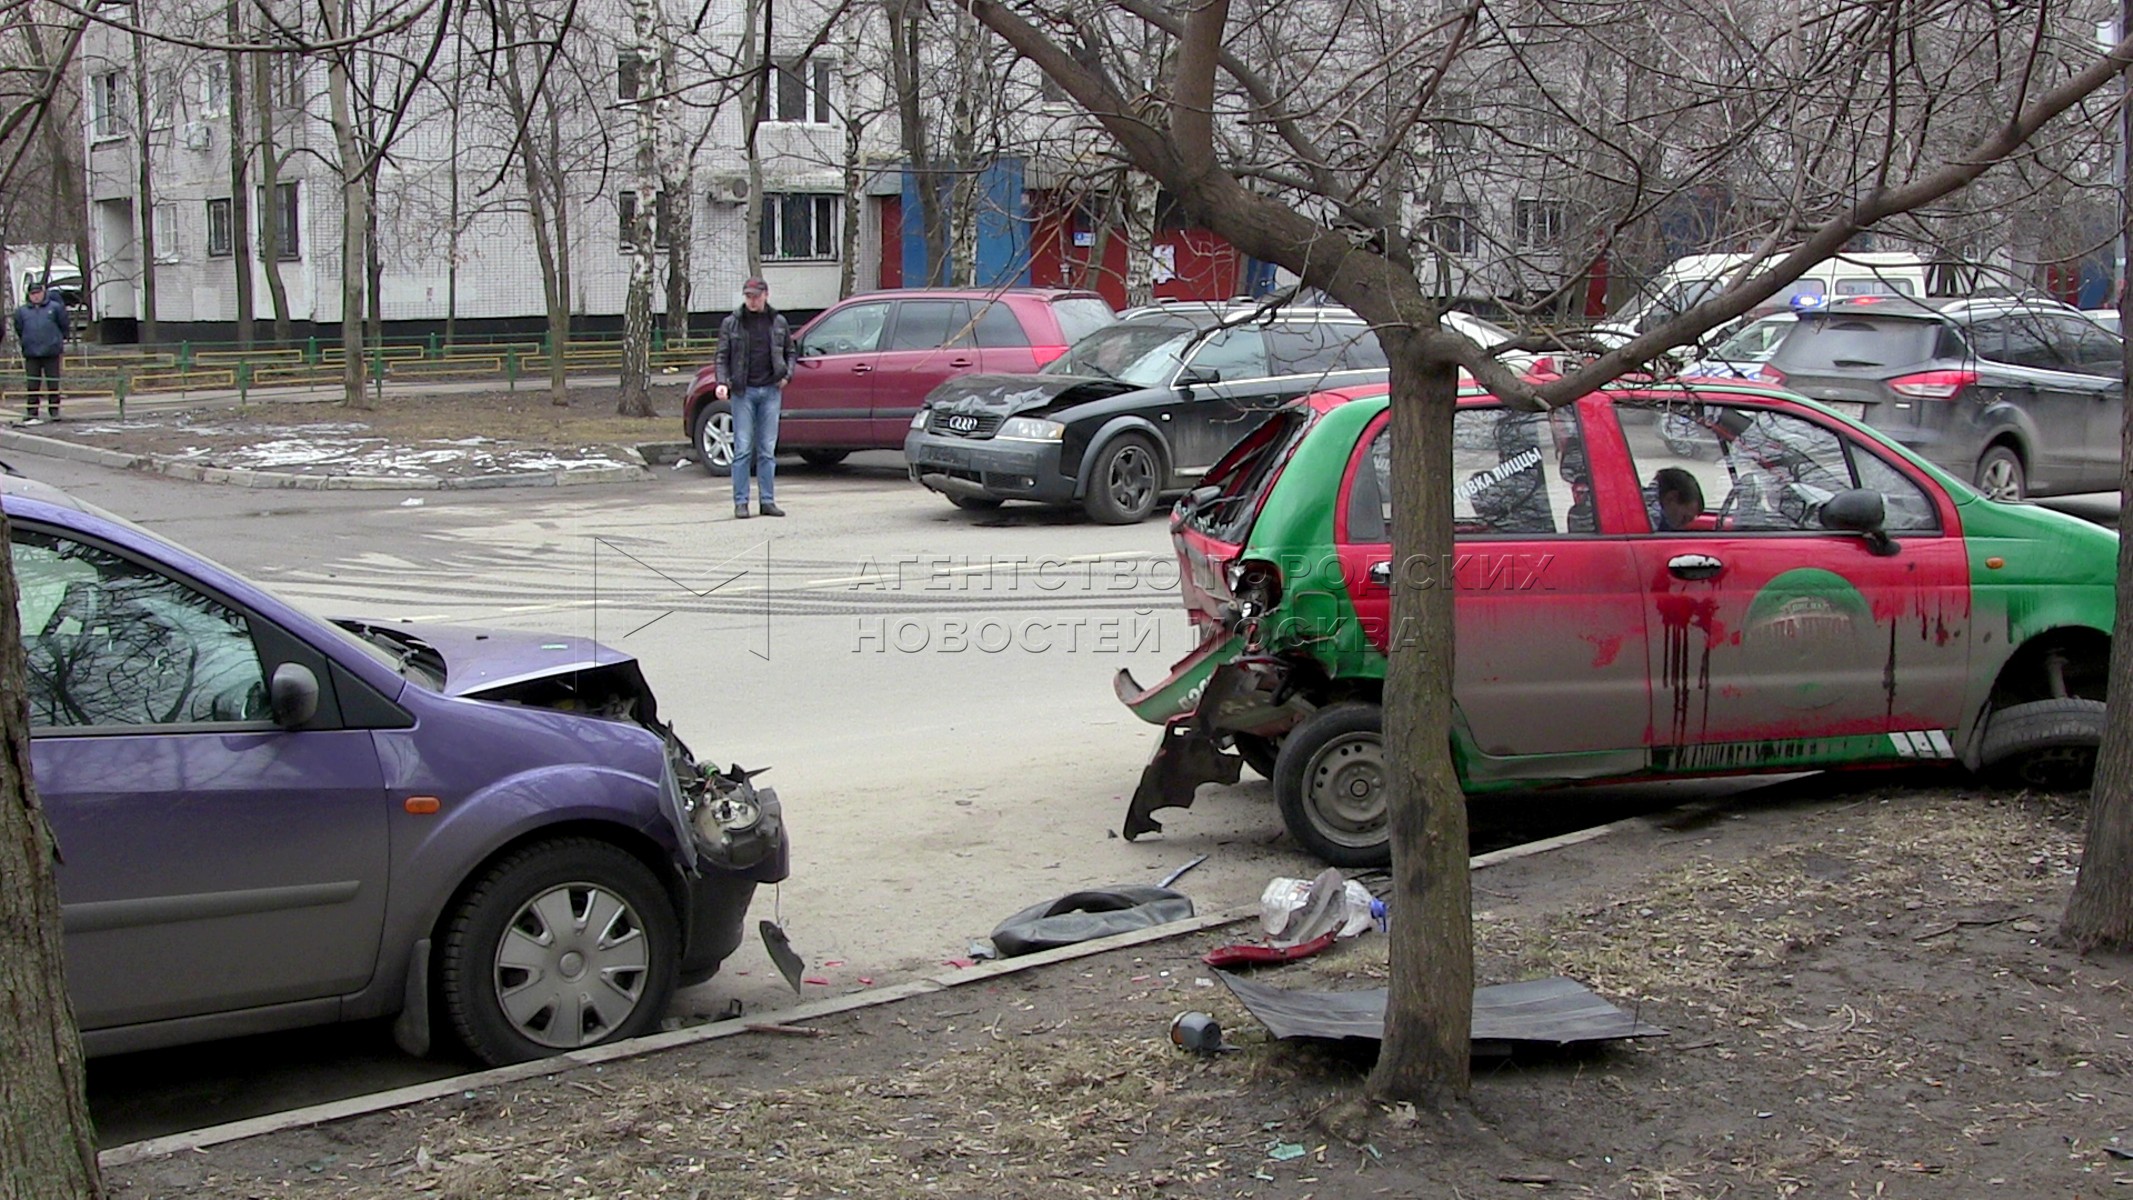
(238, 864)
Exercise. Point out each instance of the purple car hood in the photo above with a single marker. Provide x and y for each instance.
(483, 660)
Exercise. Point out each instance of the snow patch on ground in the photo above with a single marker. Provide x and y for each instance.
(331, 450)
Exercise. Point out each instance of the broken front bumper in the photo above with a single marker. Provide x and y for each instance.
(1216, 694)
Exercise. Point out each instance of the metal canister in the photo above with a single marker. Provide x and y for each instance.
(1197, 1032)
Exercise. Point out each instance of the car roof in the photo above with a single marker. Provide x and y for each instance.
(13, 485)
(952, 293)
(1959, 309)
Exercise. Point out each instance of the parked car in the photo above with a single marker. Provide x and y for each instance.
(1133, 412)
(866, 363)
(2021, 396)
(270, 820)
(1809, 595)
(1746, 349)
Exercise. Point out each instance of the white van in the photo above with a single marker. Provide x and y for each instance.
(1695, 278)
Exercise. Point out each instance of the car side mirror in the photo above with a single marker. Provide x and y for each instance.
(1198, 376)
(1861, 511)
(292, 695)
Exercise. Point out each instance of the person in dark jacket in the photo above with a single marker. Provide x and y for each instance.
(755, 358)
(41, 333)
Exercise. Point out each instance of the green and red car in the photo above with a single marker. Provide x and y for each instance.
(1809, 595)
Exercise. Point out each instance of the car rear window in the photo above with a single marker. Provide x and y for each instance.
(1847, 342)
(1240, 481)
(1080, 316)
(998, 329)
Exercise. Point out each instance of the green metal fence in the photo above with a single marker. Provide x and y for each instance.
(121, 372)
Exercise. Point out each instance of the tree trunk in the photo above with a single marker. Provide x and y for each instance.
(373, 262)
(755, 94)
(354, 211)
(1139, 219)
(47, 1142)
(61, 147)
(854, 129)
(559, 215)
(905, 69)
(2099, 916)
(240, 183)
(144, 156)
(270, 198)
(1430, 1003)
(681, 252)
(635, 396)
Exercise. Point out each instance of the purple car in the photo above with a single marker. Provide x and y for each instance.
(269, 820)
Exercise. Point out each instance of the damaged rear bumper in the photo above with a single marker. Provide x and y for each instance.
(1215, 694)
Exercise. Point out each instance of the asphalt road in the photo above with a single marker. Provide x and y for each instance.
(930, 688)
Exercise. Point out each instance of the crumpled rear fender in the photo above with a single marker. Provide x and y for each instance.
(1245, 694)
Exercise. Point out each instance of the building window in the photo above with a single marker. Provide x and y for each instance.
(105, 93)
(1456, 229)
(166, 230)
(626, 206)
(286, 225)
(219, 228)
(214, 90)
(1540, 222)
(800, 226)
(1452, 117)
(803, 91)
(626, 75)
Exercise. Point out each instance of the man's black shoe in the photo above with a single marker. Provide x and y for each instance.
(741, 513)
(771, 510)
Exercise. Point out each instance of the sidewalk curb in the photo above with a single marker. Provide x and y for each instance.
(356, 1106)
(157, 464)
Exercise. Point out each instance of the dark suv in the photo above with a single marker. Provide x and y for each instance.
(867, 362)
(2022, 396)
(1133, 411)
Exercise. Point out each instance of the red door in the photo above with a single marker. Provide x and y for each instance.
(930, 342)
(1550, 618)
(829, 401)
(1773, 639)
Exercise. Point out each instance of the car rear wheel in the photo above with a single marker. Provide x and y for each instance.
(2000, 475)
(975, 503)
(1126, 481)
(823, 458)
(561, 945)
(714, 437)
(2045, 744)
(1330, 782)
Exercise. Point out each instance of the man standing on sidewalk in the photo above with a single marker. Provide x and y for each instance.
(41, 333)
(754, 361)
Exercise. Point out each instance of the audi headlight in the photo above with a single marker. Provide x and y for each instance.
(918, 419)
(1031, 429)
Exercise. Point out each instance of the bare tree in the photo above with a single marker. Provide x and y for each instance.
(240, 181)
(646, 23)
(1266, 140)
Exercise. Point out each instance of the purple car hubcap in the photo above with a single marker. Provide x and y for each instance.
(571, 966)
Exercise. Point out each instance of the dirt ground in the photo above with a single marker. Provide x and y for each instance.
(449, 433)
(1860, 989)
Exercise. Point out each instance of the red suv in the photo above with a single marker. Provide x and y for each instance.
(866, 364)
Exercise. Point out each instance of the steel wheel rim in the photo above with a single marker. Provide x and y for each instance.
(718, 440)
(572, 966)
(1132, 478)
(1344, 788)
(1998, 480)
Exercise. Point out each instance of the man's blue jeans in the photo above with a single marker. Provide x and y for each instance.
(755, 442)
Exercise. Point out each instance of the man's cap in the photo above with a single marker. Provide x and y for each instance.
(36, 286)
(755, 287)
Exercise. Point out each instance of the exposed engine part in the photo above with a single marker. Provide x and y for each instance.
(735, 823)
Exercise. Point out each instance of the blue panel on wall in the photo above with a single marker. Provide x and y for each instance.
(1003, 228)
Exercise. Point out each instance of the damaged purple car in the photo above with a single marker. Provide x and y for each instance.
(269, 820)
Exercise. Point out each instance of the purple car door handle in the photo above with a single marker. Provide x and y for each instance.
(1694, 566)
